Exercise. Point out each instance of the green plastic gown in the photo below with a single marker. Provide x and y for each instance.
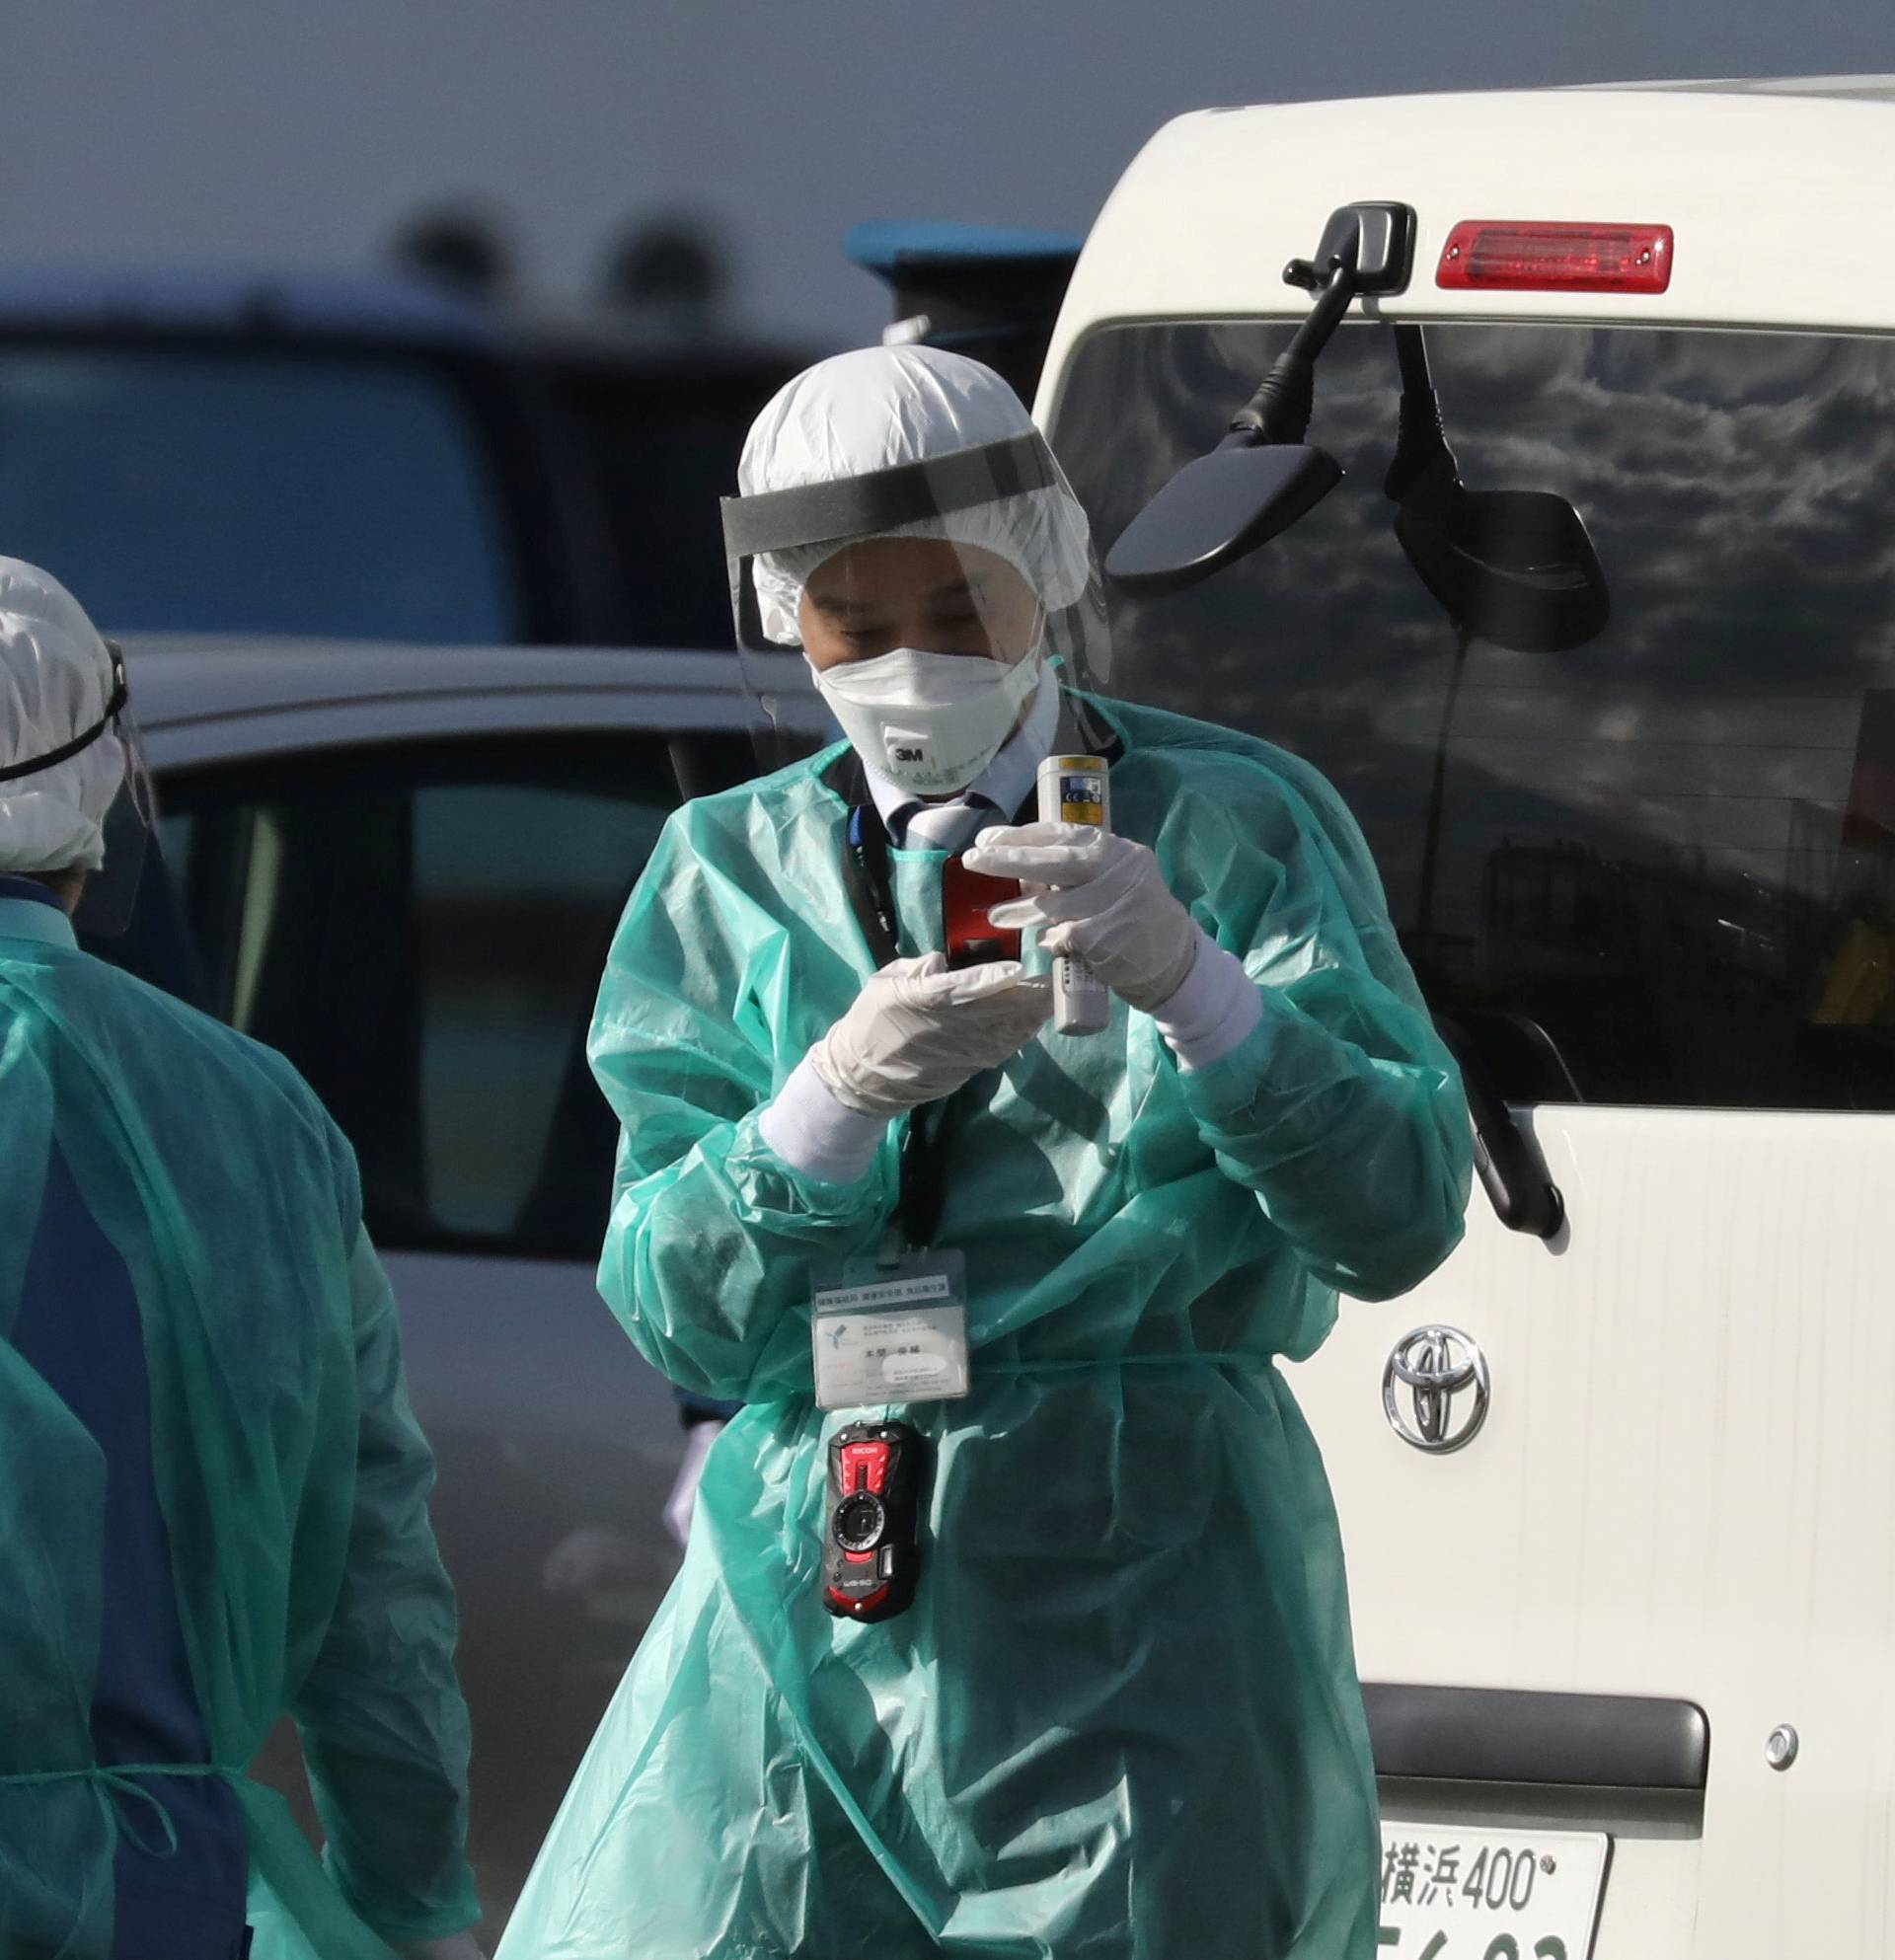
(1122, 1718)
(291, 1474)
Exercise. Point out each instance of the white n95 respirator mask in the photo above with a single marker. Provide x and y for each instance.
(929, 722)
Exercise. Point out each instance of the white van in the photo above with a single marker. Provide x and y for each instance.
(1617, 1485)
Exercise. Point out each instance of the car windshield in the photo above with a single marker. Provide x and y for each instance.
(1658, 868)
(230, 492)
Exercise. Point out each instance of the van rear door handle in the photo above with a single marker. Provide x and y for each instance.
(1511, 1735)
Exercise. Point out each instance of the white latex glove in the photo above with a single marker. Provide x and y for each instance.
(1103, 900)
(917, 1032)
(682, 1505)
(455, 1946)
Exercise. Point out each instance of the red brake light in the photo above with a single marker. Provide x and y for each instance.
(1484, 256)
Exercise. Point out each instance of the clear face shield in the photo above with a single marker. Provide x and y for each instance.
(111, 895)
(928, 611)
(112, 745)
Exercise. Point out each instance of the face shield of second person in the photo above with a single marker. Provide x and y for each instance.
(128, 827)
(930, 602)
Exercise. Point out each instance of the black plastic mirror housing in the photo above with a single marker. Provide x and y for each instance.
(1214, 510)
(1375, 241)
(1516, 567)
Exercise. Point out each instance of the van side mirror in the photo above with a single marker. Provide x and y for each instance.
(1216, 509)
(1516, 567)
(1263, 477)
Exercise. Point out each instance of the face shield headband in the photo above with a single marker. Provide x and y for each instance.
(852, 508)
(80, 742)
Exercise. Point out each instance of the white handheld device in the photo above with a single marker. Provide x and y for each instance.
(1073, 789)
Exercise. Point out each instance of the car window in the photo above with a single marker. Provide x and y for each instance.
(421, 931)
(1657, 868)
(237, 491)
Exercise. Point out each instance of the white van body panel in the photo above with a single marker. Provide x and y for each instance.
(1780, 205)
(1686, 1483)
(1685, 1486)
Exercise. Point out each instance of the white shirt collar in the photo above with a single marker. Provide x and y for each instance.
(1004, 782)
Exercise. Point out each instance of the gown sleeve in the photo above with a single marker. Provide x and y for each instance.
(1342, 1110)
(703, 1013)
(384, 1728)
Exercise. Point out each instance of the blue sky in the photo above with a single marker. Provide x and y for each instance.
(311, 129)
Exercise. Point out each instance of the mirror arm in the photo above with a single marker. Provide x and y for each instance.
(1421, 437)
(1412, 356)
(1280, 410)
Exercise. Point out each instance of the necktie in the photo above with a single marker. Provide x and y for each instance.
(946, 826)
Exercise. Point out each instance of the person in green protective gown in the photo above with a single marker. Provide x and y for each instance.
(1121, 1720)
(213, 1497)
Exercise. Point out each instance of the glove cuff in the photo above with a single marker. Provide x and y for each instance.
(1213, 1011)
(817, 1135)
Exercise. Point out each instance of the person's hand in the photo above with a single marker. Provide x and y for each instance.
(1102, 899)
(682, 1505)
(455, 1946)
(918, 1031)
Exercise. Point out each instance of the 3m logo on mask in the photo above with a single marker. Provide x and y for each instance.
(907, 753)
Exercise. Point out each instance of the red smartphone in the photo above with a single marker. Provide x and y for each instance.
(970, 938)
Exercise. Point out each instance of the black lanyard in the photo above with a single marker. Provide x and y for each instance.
(871, 893)
(871, 896)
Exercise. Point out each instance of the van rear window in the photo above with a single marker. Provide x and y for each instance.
(1658, 868)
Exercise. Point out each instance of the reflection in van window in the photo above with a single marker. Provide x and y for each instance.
(1658, 868)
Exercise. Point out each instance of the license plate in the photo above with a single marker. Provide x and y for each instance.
(1450, 1893)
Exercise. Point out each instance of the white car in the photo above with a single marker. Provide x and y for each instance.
(402, 866)
(1617, 1484)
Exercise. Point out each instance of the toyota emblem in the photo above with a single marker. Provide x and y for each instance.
(1435, 1390)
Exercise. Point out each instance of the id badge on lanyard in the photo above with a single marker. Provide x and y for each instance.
(890, 1330)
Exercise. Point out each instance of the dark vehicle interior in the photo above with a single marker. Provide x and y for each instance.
(421, 927)
(661, 432)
